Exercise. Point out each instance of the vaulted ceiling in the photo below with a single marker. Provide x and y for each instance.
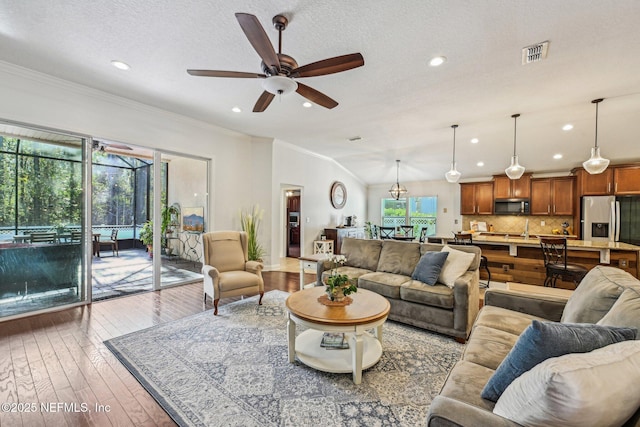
(396, 104)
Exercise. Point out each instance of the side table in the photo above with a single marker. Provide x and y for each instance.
(323, 247)
(310, 262)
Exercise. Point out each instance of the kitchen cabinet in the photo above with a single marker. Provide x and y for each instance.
(552, 196)
(506, 188)
(338, 234)
(293, 203)
(626, 180)
(595, 185)
(476, 198)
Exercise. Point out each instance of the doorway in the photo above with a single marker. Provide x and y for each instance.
(293, 223)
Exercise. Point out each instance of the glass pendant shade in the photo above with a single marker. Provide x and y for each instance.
(453, 175)
(596, 163)
(514, 171)
(396, 189)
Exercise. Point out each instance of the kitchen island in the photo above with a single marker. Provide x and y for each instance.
(519, 259)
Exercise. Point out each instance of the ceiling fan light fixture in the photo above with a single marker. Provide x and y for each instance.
(596, 163)
(453, 175)
(515, 170)
(396, 189)
(279, 85)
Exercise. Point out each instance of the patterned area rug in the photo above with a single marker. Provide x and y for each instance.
(233, 370)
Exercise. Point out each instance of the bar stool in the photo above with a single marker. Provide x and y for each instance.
(467, 239)
(554, 250)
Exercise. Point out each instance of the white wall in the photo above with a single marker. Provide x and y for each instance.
(39, 99)
(448, 202)
(313, 174)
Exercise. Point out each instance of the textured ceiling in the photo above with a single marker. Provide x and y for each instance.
(399, 106)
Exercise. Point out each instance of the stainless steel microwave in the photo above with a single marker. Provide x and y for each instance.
(511, 207)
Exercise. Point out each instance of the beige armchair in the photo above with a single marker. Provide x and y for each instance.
(226, 270)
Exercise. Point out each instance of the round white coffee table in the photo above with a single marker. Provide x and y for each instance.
(367, 311)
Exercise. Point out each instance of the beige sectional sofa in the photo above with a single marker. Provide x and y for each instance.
(606, 296)
(386, 267)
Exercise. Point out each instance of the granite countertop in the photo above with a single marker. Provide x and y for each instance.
(534, 241)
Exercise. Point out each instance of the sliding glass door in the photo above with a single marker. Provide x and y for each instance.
(42, 211)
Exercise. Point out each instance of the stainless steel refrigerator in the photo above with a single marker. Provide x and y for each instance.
(611, 218)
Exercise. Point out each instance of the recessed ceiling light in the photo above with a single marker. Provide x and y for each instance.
(480, 164)
(557, 156)
(120, 65)
(568, 126)
(307, 104)
(236, 110)
(437, 61)
(475, 140)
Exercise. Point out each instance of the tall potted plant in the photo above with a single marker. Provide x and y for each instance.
(146, 236)
(251, 223)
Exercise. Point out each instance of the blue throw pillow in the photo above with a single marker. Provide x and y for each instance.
(543, 340)
(428, 268)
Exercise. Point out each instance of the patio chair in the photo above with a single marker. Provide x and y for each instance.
(76, 236)
(226, 268)
(43, 238)
(113, 242)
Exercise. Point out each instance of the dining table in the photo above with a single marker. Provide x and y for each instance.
(403, 237)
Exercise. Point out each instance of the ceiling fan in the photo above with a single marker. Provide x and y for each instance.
(280, 70)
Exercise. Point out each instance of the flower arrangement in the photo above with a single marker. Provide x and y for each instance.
(251, 223)
(339, 285)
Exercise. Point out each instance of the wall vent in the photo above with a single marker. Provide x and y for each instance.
(355, 138)
(535, 53)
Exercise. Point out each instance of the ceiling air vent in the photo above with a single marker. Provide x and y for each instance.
(534, 53)
(355, 138)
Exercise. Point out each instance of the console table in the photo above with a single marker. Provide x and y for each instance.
(339, 233)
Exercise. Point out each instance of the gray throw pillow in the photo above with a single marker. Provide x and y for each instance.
(543, 340)
(428, 268)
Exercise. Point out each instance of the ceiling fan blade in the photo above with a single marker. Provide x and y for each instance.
(318, 97)
(336, 64)
(233, 74)
(259, 40)
(263, 102)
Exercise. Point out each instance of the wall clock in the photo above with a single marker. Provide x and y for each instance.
(338, 195)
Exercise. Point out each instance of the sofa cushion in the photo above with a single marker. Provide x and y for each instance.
(437, 295)
(385, 284)
(542, 340)
(428, 268)
(488, 346)
(351, 272)
(399, 257)
(594, 389)
(361, 253)
(454, 266)
(505, 320)
(464, 383)
(596, 294)
(625, 311)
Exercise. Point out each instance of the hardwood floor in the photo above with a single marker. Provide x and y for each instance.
(55, 369)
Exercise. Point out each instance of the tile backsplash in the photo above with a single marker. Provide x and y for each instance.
(515, 224)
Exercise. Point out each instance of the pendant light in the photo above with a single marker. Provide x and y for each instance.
(453, 175)
(596, 163)
(396, 189)
(514, 171)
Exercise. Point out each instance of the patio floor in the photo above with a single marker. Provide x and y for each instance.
(131, 272)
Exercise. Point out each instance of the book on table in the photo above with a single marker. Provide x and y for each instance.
(334, 341)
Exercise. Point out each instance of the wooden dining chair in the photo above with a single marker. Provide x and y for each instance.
(407, 230)
(387, 232)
